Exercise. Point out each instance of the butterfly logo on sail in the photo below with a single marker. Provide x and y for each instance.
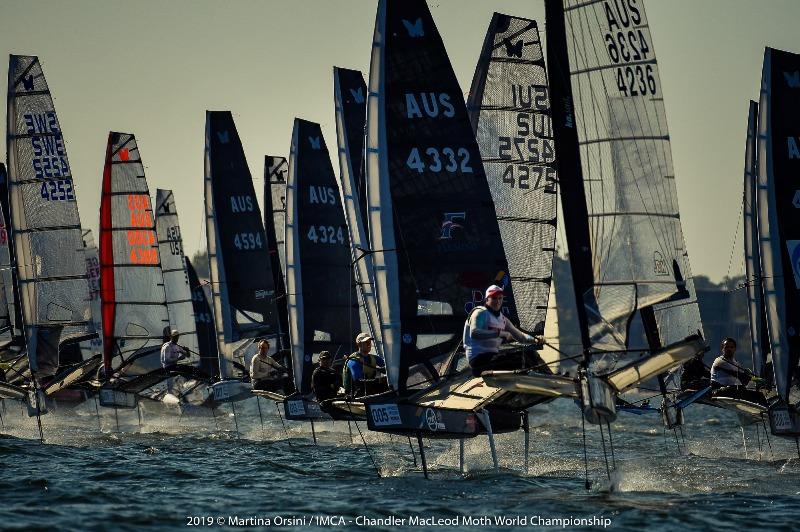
(358, 95)
(450, 223)
(27, 82)
(792, 79)
(794, 256)
(223, 136)
(315, 142)
(515, 49)
(414, 29)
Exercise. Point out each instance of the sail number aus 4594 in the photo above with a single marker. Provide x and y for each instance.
(248, 241)
(436, 160)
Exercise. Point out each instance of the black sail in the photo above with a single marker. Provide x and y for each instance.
(204, 323)
(323, 308)
(348, 91)
(240, 267)
(275, 169)
(432, 222)
(510, 110)
(779, 216)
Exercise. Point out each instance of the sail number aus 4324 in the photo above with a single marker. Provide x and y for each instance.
(437, 160)
(58, 190)
(636, 80)
(325, 234)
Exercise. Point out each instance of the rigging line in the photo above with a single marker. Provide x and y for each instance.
(364, 441)
(723, 307)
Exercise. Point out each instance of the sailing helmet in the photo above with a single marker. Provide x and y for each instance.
(174, 333)
(492, 291)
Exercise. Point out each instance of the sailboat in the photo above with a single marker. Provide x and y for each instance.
(242, 285)
(629, 264)
(134, 302)
(323, 309)
(433, 235)
(778, 224)
(49, 270)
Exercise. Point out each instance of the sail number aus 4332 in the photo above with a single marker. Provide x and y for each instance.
(325, 234)
(437, 160)
(57, 190)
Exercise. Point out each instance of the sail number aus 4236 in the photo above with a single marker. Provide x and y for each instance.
(636, 81)
(435, 160)
(325, 234)
(248, 241)
(630, 46)
(58, 190)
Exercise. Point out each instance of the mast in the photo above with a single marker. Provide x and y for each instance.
(204, 324)
(752, 255)
(176, 279)
(45, 225)
(570, 173)
(351, 113)
(94, 346)
(134, 304)
(275, 169)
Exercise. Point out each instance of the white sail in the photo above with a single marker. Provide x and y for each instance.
(176, 280)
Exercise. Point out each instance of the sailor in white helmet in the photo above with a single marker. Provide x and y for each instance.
(486, 328)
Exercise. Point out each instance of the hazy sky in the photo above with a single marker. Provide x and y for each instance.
(152, 68)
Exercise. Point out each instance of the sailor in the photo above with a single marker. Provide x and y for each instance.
(171, 352)
(360, 371)
(266, 373)
(728, 379)
(696, 375)
(484, 331)
(325, 381)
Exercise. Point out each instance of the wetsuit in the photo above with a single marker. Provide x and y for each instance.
(360, 372)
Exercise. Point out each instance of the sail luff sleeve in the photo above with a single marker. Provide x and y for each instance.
(752, 259)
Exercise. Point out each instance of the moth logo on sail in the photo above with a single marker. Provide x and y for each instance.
(432, 104)
(315, 142)
(792, 147)
(224, 137)
(263, 294)
(793, 247)
(415, 28)
(792, 79)
(358, 95)
(27, 82)
(515, 49)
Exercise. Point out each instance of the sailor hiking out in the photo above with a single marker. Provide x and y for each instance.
(729, 379)
(171, 352)
(360, 372)
(485, 329)
(266, 373)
